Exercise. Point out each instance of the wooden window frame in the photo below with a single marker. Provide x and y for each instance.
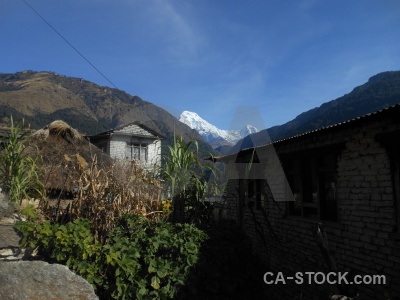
(396, 188)
(306, 173)
(255, 192)
(390, 141)
(251, 194)
(131, 147)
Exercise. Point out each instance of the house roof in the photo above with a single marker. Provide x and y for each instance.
(391, 110)
(108, 132)
(376, 114)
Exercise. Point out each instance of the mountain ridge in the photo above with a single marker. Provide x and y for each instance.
(42, 97)
(213, 135)
(380, 91)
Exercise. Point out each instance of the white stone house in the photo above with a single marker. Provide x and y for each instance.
(134, 142)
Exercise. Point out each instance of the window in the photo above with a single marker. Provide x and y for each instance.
(252, 192)
(390, 141)
(396, 184)
(313, 181)
(242, 200)
(136, 151)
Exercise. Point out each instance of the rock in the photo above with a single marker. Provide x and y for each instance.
(9, 245)
(6, 210)
(8, 237)
(14, 254)
(7, 221)
(35, 280)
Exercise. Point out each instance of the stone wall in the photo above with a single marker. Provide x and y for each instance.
(363, 241)
(20, 279)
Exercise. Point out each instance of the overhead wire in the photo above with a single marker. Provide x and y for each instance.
(72, 46)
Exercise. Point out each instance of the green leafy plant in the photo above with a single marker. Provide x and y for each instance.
(185, 181)
(30, 213)
(140, 260)
(180, 164)
(19, 173)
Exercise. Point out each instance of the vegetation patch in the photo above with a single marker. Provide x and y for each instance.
(113, 231)
(7, 87)
(19, 173)
(139, 260)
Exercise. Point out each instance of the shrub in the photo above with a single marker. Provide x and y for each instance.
(140, 259)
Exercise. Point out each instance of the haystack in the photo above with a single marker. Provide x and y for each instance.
(62, 154)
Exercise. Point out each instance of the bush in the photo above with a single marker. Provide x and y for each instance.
(140, 259)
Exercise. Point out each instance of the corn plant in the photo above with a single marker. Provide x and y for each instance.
(185, 182)
(19, 173)
(180, 165)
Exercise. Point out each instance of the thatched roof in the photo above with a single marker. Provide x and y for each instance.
(62, 154)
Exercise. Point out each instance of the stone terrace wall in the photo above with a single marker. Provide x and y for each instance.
(31, 280)
(364, 240)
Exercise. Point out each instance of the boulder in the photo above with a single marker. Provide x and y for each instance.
(36, 280)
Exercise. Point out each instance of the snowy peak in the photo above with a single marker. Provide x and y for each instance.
(248, 129)
(194, 121)
(212, 134)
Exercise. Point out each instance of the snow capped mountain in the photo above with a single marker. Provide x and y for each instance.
(248, 129)
(213, 135)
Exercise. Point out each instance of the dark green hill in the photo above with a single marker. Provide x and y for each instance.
(381, 91)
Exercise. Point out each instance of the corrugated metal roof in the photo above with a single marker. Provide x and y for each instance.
(338, 124)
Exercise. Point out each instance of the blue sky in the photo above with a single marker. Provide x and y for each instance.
(209, 56)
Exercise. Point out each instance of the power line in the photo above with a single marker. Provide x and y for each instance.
(72, 46)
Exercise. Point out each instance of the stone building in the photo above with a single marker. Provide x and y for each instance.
(133, 141)
(324, 201)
